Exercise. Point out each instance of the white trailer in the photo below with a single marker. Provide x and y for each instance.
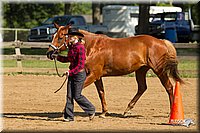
(121, 20)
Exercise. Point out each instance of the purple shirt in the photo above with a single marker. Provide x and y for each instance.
(76, 57)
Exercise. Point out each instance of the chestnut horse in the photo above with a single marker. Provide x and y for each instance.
(107, 56)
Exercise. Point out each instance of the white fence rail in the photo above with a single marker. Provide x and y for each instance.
(6, 34)
(22, 44)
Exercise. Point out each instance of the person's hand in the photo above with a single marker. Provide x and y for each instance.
(54, 56)
(51, 55)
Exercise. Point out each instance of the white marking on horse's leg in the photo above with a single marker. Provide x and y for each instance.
(53, 37)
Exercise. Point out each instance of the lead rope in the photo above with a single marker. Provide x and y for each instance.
(60, 76)
(55, 50)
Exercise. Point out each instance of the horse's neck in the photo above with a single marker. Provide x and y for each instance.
(88, 41)
(89, 38)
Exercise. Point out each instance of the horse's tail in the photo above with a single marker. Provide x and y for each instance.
(171, 64)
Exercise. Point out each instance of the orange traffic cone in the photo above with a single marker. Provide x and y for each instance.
(177, 115)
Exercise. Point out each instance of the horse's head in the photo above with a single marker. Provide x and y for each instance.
(60, 39)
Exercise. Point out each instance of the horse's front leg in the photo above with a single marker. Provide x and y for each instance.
(89, 80)
(99, 85)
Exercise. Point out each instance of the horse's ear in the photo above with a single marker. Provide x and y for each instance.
(56, 25)
(68, 25)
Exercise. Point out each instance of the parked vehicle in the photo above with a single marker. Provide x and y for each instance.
(121, 20)
(179, 22)
(45, 31)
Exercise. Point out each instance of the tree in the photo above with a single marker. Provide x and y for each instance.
(80, 8)
(28, 15)
(67, 9)
(96, 11)
(143, 23)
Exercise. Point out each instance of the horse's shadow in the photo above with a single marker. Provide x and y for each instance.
(58, 116)
(117, 115)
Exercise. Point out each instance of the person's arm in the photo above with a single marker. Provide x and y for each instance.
(62, 59)
(81, 61)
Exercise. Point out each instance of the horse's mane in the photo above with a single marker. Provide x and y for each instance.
(84, 32)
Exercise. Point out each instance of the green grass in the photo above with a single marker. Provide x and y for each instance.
(188, 65)
(188, 51)
(183, 64)
(34, 64)
(191, 65)
(9, 63)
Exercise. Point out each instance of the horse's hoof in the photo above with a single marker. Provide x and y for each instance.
(103, 115)
(126, 113)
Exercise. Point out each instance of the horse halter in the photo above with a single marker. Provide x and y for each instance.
(55, 50)
(58, 48)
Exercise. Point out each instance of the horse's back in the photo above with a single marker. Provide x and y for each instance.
(139, 43)
(133, 40)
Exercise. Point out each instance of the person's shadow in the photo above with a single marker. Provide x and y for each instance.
(56, 116)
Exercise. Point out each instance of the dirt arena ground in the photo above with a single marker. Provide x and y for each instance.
(30, 104)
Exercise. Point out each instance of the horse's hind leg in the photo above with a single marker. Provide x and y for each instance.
(168, 87)
(100, 89)
(141, 80)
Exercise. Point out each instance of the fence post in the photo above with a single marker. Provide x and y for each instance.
(18, 55)
(16, 35)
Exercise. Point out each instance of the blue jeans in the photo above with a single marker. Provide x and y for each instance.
(74, 88)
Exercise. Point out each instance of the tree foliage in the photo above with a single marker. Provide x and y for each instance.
(28, 15)
(81, 8)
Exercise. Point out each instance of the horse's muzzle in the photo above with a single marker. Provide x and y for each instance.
(51, 53)
(54, 47)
